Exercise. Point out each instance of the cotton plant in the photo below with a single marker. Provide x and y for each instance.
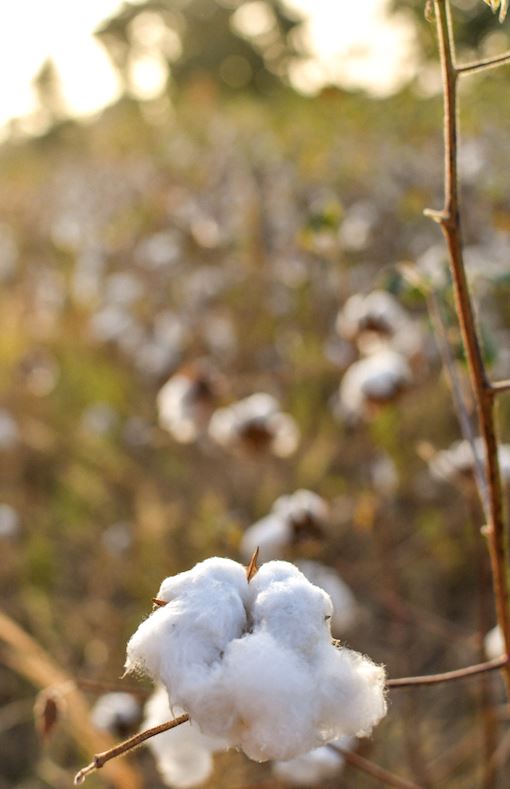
(251, 660)
(301, 514)
(315, 766)
(184, 756)
(494, 643)
(255, 424)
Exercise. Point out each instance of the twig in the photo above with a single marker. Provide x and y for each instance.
(500, 387)
(100, 759)
(484, 64)
(483, 391)
(372, 769)
(449, 676)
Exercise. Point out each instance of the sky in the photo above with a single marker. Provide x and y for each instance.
(351, 40)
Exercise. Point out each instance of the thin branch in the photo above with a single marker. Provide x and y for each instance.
(372, 769)
(100, 759)
(484, 64)
(451, 227)
(449, 676)
(499, 387)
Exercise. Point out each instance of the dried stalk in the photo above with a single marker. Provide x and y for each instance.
(27, 658)
(449, 219)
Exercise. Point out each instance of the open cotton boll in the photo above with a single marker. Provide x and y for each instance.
(255, 424)
(374, 381)
(345, 608)
(315, 766)
(253, 661)
(494, 643)
(184, 755)
(300, 515)
(458, 461)
(185, 404)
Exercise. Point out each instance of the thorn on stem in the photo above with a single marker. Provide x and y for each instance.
(441, 217)
(252, 568)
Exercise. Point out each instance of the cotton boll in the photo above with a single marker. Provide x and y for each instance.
(313, 767)
(458, 461)
(185, 404)
(253, 662)
(300, 515)
(116, 713)
(374, 381)
(183, 755)
(494, 643)
(344, 604)
(255, 424)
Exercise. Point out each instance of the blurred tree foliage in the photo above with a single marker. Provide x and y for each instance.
(237, 44)
(475, 25)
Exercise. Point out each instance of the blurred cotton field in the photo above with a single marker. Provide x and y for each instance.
(216, 335)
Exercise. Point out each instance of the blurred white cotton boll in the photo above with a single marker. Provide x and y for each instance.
(186, 402)
(457, 463)
(345, 609)
(253, 661)
(315, 766)
(368, 383)
(494, 643)
(257, 425)
(301, 515)
(184, 755)
(378, 320)
(116, 712)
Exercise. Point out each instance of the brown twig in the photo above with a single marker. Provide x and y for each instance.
(372, 769)
(449, 676)
(449, 219)
(484, 64)
(100, 759)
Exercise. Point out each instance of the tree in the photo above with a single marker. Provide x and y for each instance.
(237, 44)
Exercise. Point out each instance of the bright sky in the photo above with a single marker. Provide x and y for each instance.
(32, 31)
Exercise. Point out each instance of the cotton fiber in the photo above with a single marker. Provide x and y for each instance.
(253, 662)
(116, 712)
(345, 608)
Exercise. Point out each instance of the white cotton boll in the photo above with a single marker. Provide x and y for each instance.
(377, 311)
(271, 535)
(345, 609)
(253, 662)
(185, 404)
(458, 461)
(494, 643)
(255, 423)
(9, 430)
(313, 767)
(375, 380)
(183, 755)
(115, 712)
(303, 505)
